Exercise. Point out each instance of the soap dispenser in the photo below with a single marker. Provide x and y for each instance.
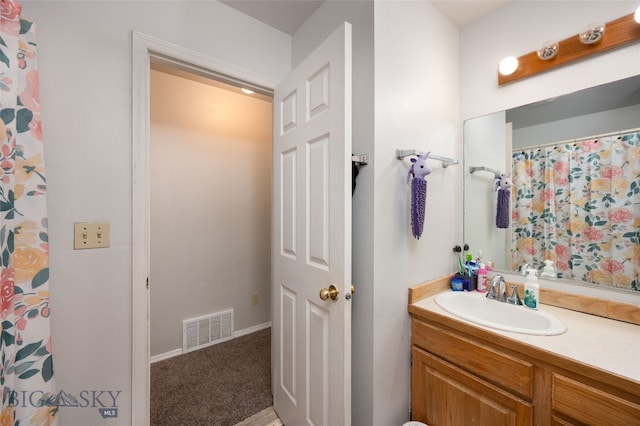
(531, 289)
(548, 271)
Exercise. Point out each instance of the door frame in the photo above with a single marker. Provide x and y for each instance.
(146, 47)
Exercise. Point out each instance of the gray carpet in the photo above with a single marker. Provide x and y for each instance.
(217, 386)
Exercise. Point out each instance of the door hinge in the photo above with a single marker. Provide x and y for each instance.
(147, 285)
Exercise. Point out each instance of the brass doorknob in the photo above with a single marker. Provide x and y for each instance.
(331, 292)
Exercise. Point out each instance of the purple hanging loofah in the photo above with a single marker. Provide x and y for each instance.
(418, 206)
(503, 211)
(419, 170)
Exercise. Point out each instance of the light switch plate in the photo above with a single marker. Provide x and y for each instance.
(88, 235)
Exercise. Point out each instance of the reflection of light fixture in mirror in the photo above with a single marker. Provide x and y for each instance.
(247, 91)
(508, 65)
(548, 50)
(592, 34)
(636, 16)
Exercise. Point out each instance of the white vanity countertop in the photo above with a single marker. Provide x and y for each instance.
(603, 343)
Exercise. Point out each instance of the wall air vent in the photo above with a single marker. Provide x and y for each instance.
(207, 330)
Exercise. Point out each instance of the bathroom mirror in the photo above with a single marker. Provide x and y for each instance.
(550, 138)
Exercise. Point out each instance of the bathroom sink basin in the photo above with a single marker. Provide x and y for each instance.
(476, 308)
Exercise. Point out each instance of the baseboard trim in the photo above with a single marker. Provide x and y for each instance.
(239, 333)
(252, 329)
(166, 355)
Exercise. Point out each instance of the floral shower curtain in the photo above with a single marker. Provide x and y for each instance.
(26, 367)
(578, 204)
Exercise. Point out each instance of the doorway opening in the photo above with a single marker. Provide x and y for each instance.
(153, 56)
(210, 221)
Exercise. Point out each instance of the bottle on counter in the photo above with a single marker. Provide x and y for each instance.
(482, 279)
(531, 289)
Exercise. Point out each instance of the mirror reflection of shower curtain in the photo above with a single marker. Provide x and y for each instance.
(578, 204)
(26, 366)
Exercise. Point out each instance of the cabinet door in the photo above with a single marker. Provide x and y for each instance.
(443, 395)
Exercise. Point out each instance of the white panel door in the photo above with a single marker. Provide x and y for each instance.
(312, 238)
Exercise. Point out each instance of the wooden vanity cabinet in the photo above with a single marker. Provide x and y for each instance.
(465, 376)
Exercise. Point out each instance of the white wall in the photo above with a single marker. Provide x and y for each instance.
(210, 206)
(417, 106)
(85, 85)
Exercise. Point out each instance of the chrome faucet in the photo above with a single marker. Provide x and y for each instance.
(497, 291)
(497, 288)
(514, 299)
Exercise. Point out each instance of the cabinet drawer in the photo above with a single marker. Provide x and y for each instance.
(506, 371)
(591, 406)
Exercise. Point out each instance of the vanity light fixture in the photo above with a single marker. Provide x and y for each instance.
(508, 65)
(591, 41)
(592, 34)
(548, 51)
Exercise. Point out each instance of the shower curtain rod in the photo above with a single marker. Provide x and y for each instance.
(581, 139)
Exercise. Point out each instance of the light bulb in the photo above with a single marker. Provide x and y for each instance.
(592, 34)
(548, 50)
(508, 65)
(247, 91)
(637, 15)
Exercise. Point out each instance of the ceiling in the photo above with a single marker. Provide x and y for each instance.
(284, 15)
(288, 15)
(464, 12)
